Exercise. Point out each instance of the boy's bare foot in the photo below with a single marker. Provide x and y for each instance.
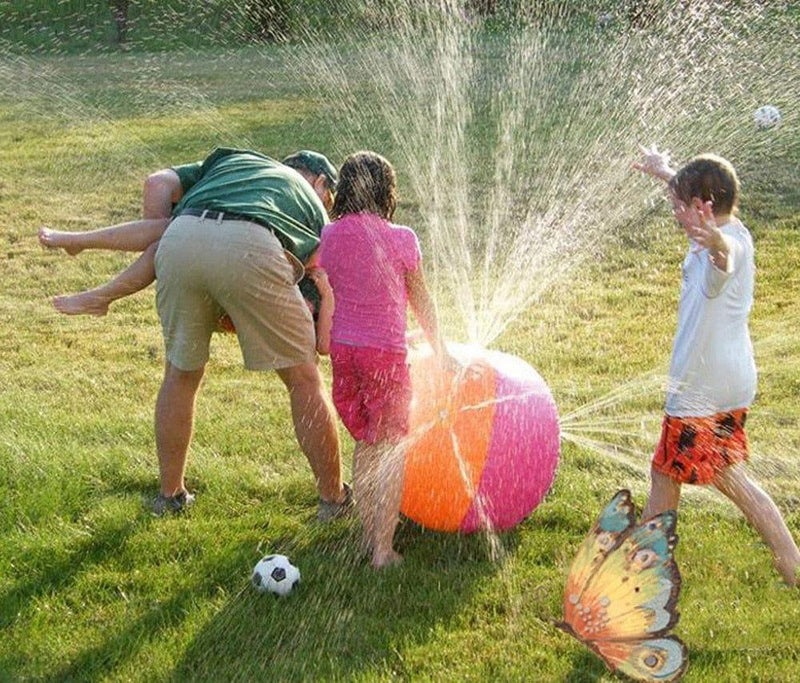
(57, 239)
(390, 559)
(84, 303)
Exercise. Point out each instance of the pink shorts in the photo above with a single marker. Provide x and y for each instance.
(371, 392)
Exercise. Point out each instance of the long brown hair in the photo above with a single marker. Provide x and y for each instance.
(367, 184)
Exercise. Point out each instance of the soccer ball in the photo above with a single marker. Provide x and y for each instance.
(275, 574)
(767, 116)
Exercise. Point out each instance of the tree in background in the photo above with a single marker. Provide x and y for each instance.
(120, 10)
(268, 19)
(482, 8)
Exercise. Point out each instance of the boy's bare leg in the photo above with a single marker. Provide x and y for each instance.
(665, 494)
(763, 514)
(131, 236)
(96, 301)
(161, 191)
(388, 494)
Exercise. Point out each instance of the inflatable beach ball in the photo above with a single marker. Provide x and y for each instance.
(483, 446)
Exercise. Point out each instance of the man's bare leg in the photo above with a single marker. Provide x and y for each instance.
(140, 274)
(315, 428)
(174, 421)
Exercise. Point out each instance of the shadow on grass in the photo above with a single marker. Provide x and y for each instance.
(58, 571)
(160, 619)
(702, 661)
(586, 667)
(344, 618)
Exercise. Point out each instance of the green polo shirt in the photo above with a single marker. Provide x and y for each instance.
(264, 190)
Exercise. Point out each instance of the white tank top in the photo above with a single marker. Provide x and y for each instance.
(712, 368)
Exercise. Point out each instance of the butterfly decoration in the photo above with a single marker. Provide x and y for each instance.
(622, 591)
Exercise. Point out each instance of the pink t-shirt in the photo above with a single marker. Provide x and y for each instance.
(367, 259)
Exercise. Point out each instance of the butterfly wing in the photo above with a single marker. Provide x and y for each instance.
(655, 659)
(614, 522)
(622, 593)
(634, 591)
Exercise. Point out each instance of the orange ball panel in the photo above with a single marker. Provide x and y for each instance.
(445, 417)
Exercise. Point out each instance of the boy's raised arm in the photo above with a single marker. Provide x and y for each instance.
(654, 163)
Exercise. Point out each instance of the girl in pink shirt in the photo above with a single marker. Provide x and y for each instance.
(372, 268)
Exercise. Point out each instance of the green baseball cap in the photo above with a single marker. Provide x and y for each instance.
(315, 162)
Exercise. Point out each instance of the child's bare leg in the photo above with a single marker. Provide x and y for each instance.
(131, 236)
(161, 190)
(96, 301)
(389, 491)
(364, 486)
(665, 494)
(764, 515)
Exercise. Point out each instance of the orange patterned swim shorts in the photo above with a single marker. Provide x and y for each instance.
(693, 449)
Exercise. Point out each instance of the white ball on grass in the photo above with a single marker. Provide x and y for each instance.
(767, 116)
(275, 574)
(605, 19)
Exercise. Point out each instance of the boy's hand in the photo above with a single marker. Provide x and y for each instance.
(320, 278)
(706, 235)
(654, 163)
(705, 232)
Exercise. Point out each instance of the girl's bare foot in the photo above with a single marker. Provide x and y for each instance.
(390, 559)
(84, 303)
(57, 239)
(365, 547)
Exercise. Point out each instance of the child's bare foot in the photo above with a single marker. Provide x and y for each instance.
(390, 559)
(57, 239)
(84, 303)
(365, 547)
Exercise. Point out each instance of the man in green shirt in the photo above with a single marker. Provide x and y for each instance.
(241, 225)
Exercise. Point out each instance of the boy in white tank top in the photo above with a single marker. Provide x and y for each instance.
(712, 371)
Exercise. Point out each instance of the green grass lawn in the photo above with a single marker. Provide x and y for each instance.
(92, 587)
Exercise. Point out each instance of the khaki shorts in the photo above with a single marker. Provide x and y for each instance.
(205, 268)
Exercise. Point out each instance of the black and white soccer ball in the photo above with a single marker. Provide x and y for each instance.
(767, 116)
(275, 574)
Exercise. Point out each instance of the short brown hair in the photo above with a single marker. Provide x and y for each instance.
(367, 184)
(711, 178)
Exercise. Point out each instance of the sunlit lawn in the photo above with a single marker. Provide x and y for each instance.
(93, 587)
